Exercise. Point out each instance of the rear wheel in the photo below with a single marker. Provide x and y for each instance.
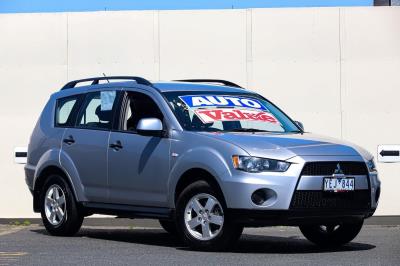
(201, 219)
(332, 235)
(59, 210)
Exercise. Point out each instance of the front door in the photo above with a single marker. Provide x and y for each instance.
(138, 166)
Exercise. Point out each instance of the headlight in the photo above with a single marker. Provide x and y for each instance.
(371, 166)
(256, 164)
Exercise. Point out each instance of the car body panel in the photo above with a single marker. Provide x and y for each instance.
(67, 164)
(286, 145)
(137, 172)
(89, 156)
(214, 158)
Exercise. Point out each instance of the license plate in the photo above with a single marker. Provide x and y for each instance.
(335, 184)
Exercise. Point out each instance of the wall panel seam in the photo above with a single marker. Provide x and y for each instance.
(340, 73)
(249, 48)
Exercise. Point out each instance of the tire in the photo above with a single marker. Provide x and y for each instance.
(220, 233)
(60, 217)
(169, 226)
(331, 235)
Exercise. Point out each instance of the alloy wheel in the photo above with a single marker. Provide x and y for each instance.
(204, 217)
(55, 205)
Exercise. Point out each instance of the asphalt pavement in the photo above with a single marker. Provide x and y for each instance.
(148, 244)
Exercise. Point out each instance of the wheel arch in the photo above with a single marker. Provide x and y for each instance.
(196, 174)
(41, 179)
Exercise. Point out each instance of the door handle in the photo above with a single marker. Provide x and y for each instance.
(70, 140)
(116, 146)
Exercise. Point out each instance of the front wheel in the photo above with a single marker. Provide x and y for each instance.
(332, 235)
(201, 219)
(60, 213)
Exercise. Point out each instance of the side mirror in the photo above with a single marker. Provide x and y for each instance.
(300, 125)
(150, 127)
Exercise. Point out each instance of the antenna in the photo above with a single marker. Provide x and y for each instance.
(106, 77)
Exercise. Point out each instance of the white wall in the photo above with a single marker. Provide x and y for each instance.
(335, 69)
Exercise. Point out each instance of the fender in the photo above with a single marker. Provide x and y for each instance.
(48, 158)
(190, 160)
(69, 168)
(52, 158)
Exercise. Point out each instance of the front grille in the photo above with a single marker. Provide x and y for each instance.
(328, 168)
(308, 199)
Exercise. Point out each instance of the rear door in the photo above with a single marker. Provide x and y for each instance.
(138, 165)
(86, 144)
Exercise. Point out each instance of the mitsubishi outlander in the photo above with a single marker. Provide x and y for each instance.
(204, 157)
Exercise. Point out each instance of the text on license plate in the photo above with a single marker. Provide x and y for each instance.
(338, 184)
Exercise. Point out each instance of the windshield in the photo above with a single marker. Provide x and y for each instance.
(221, 111)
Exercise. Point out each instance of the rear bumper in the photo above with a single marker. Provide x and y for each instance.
(255, 218)
(29, 175)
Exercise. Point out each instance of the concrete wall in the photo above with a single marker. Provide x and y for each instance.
(335, 69)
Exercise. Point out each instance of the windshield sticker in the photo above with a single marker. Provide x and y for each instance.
(201, 101)
(107, 100)
(234, 114)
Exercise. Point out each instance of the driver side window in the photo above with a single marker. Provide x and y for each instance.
(139, 106)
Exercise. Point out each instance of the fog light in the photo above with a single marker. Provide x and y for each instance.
(259, 197)
(264, 197)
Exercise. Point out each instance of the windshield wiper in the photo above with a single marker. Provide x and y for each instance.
(247, 130)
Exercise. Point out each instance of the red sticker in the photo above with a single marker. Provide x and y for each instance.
(234, 114)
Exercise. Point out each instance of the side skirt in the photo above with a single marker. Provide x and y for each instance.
(127, 211)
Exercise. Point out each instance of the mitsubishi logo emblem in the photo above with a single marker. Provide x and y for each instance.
(338, 170)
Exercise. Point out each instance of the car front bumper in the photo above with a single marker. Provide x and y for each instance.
(297, 198)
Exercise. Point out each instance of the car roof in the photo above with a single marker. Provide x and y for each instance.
(161, 86)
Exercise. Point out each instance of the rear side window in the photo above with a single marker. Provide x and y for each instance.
(66, 111)
(97, 112)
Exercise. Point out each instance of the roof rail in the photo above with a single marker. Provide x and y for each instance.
(220, 81)
(96, 80)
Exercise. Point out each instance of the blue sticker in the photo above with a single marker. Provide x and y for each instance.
(199, 101)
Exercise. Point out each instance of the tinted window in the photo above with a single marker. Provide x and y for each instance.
(139, 106)
(66, 110)
(97, 112)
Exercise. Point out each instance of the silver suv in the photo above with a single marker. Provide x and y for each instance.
(204, 157)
